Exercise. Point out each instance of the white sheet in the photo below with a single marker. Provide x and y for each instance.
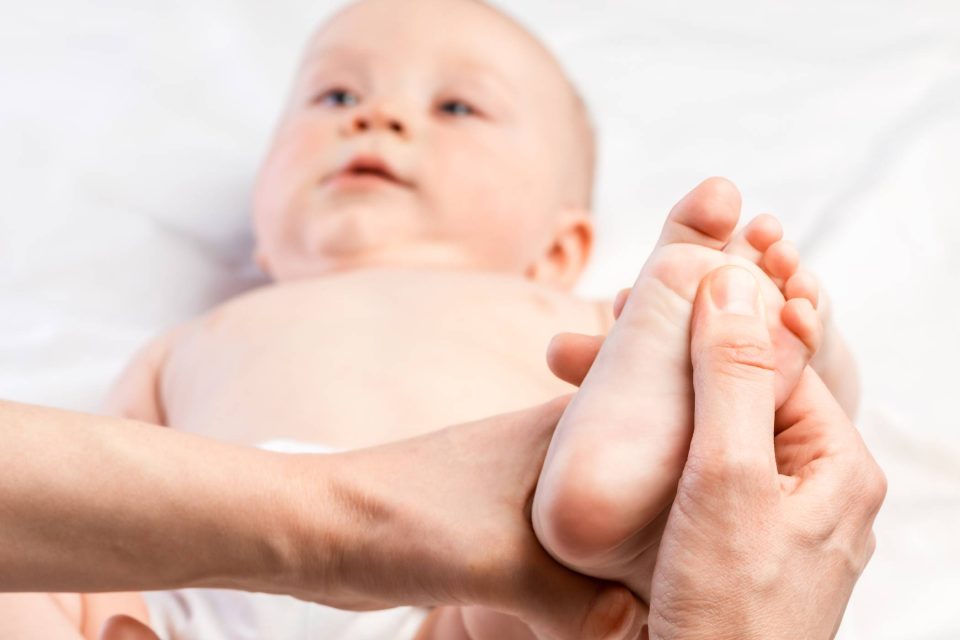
(129, 134)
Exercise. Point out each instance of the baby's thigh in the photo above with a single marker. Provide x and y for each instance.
(62, 616)
(487, 624)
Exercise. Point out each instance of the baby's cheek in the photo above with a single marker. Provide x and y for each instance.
(303, 144)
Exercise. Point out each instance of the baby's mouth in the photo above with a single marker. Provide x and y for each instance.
(366, 170)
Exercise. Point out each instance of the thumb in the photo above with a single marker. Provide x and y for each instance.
(123, 627)
(733, 374)
(570, 355)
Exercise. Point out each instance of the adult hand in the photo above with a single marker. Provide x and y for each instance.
(444, 519)
(767, 536)
(772, 523)
(438, 520)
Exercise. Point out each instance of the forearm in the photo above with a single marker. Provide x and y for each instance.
(89, 503)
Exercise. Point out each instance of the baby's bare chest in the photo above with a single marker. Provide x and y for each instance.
(368, 357)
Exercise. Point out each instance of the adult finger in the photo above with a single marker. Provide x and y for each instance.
(121, 627)
(812, 403)
(733, 377)
(570, 355)
(835, 487)
(614, 613)
(812, 428)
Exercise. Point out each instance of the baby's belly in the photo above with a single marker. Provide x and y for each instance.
(350, 363)
(347, 393)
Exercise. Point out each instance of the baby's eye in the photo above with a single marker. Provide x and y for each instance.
(457, 108)
(338, 98)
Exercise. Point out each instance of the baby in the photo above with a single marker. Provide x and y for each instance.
(424, 211)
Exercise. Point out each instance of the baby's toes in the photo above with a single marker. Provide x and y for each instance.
(755, 238)
(802, 284)
(706, 216)
(781, 260)
(801, 318)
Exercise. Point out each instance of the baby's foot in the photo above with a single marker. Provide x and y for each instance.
(617, 454)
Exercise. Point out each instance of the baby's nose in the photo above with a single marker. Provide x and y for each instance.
(378, 119)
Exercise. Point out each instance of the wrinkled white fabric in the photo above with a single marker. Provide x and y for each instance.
(217, 614)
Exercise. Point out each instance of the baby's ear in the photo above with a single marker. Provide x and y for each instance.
(567, 253)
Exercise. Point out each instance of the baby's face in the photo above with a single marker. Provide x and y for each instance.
(422, 132)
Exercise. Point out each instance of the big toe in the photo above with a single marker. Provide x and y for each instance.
(706, 216)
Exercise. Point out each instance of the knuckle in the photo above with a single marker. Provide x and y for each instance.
(876, 488)
(739, 356)
(727, 469)
(817, 530)
(865, 490)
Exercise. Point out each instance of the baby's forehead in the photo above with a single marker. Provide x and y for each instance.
(466, 38)
(464, 35)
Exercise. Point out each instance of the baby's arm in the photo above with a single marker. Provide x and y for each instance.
(135, 394)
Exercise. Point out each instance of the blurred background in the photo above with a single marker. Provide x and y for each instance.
(130, 134)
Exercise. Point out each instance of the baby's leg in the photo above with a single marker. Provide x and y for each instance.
(40, 615)
(618, 451)
(64, 616)
(834, 362)
(472, 623)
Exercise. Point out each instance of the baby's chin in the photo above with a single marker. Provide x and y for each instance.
(293, 264)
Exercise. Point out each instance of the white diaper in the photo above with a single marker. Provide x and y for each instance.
(222, 614)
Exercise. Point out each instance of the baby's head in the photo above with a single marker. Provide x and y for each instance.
(428, 133)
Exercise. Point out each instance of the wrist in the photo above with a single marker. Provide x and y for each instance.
(353, 540)
(298, 529)
(708, 628)
(258, 514)
(320, 533)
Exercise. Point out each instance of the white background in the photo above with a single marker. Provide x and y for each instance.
(130, 133)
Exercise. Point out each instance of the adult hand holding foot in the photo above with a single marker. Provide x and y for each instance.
(767, 536)
(436, 520)
(772, 521)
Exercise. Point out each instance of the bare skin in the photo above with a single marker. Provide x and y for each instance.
(423, 223)
(415, 522)
(781, 514)
(828, 494)
(359, 357)
(634, 413)
(232, 337)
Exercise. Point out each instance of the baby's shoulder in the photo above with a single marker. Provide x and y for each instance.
(584, 314)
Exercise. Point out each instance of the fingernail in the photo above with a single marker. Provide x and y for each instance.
(734, 290)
